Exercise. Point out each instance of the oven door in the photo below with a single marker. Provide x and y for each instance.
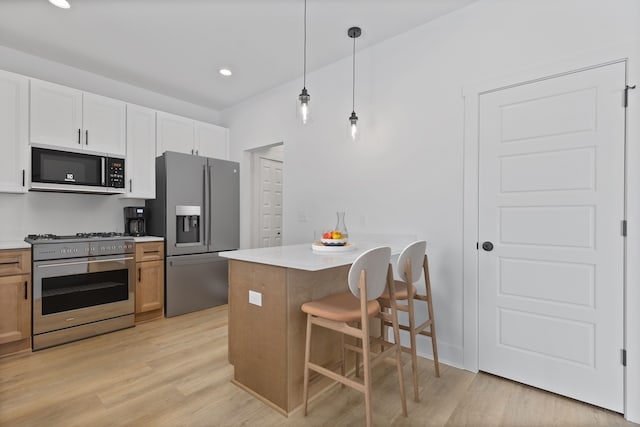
(81, 290)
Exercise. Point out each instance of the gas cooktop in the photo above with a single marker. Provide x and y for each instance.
(79, 237)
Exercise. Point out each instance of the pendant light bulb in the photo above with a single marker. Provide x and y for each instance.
(304, 96)
(353, 122)
(304, 104)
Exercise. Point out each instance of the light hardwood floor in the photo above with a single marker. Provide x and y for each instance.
(174, 372)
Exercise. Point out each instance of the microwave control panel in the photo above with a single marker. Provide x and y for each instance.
(116, 173)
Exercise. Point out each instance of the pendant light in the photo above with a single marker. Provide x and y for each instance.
(354, 33)
(304, 95)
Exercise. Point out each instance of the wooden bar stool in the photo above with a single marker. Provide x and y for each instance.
(412, 258)
(368, 277)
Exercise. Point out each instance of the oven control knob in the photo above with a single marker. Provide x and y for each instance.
(75, 250)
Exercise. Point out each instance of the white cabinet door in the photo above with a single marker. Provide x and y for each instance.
(104, 124)
(211, 140)
(56, 115)
(141, 153)
(14, 148)
(174, 133)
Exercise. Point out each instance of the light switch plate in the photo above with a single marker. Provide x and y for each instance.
(255, 298)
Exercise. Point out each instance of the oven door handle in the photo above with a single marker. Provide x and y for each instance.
(84, 262)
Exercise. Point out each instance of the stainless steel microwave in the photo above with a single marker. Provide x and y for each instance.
(54, 170)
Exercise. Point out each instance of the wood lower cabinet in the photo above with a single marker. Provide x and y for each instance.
(15, 301)
(149, 281)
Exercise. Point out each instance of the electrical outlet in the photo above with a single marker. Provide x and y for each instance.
(255, 298)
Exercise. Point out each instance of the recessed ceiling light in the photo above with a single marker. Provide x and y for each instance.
(225, 72)
(63, 4)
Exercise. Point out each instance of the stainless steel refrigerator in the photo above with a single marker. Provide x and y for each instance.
(197, 211)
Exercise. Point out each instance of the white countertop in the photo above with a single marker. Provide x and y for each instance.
(302, 257)
(17, 244)
(143, 239)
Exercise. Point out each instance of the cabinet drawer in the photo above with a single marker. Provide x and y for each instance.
(149, 251)
(14, 262)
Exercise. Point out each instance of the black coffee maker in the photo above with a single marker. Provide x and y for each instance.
(134, 221)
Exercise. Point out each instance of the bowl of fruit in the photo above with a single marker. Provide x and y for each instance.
(333, 238)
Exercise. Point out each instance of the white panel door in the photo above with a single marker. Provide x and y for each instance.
(104, 123)
(174, 133)
(211, 140)
(551, 201)
(14, 128)
(56, 115)
(140, 166)
(270, 213)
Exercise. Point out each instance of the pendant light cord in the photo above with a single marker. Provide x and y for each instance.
(353, 95)
(304, 73)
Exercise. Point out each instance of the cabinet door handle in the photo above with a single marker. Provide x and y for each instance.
(86, 137)
(139, 274)
(26, 291)
(130, 186)
(192, 151)
(197, 153)
(23, 182)
(79, 136)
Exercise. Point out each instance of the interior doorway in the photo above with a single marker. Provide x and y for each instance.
(267, 172)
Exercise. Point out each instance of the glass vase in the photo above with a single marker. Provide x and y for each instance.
(340, 225)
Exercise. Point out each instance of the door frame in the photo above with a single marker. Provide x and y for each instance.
(627, 53)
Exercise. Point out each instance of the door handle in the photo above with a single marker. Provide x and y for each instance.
(487, 246)
(86, 137)
(139, 274)
(26, 291)
(79, 136)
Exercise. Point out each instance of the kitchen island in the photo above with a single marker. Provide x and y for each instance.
(267, 329)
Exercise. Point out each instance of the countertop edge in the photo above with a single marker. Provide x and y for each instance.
(14, 244)
(144, 239)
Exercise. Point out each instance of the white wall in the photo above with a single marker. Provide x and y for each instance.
(32, 213)
(405, 174)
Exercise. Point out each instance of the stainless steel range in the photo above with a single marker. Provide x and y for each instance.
(83, 285)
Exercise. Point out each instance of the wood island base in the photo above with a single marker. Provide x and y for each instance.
(266, 342)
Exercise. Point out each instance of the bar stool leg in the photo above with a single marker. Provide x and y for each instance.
(396, 340)
(307, 352)
(414, 355)
(432, 326)
(344, 362)
(367, 372)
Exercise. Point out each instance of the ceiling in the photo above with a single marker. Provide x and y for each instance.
(175, 47)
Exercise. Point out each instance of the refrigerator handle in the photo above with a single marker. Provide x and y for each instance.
(205, 209)
(209, 211)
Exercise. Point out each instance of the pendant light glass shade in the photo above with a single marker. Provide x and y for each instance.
(354, 33)
(304, 96)
(304, 105)
(353, 125)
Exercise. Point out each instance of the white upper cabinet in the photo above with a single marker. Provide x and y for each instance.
(68, 118)
(14, 143)
(177, 133)
(56, 115)
(104, 124)
(211, 140)
(141, 153)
